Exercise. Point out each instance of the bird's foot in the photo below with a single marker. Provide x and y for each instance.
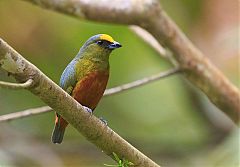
(103, 120)
(89, 110)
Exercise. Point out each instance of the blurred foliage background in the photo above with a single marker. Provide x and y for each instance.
(169, 120)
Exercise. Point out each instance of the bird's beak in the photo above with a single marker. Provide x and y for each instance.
(114, 45)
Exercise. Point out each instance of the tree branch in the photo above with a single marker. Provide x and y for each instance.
(9, 85)
(149, 15)
(25, 113)
(140, 82)
(73, 112)
(108, 92)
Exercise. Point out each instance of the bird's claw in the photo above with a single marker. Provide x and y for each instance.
(103, 120)
(89, 110)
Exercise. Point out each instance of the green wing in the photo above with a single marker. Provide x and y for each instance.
(69, 90)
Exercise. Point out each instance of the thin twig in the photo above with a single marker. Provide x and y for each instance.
(108, 92)
(150, 40)
(140, 82)
(25, 113)
(15, 86)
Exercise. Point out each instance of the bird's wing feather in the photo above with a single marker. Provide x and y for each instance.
(68, 79)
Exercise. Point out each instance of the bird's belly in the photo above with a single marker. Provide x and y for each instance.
(89, 90)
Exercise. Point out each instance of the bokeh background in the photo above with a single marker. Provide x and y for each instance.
(169, 120)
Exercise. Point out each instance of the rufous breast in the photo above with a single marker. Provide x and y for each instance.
(89, 90)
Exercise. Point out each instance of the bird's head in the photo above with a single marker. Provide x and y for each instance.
(102, 41)
(99, 46)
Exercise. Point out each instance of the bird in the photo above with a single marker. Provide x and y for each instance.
(85, 77)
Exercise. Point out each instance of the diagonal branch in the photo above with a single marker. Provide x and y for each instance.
(73, 112)
(149, 15)
(108, 92)
(150, 40)
(9, 85)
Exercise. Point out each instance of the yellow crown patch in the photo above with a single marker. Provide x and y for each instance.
(106, 37)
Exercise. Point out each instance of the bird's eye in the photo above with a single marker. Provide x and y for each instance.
(99, 42)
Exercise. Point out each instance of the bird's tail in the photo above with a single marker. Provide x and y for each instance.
(59, 129)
